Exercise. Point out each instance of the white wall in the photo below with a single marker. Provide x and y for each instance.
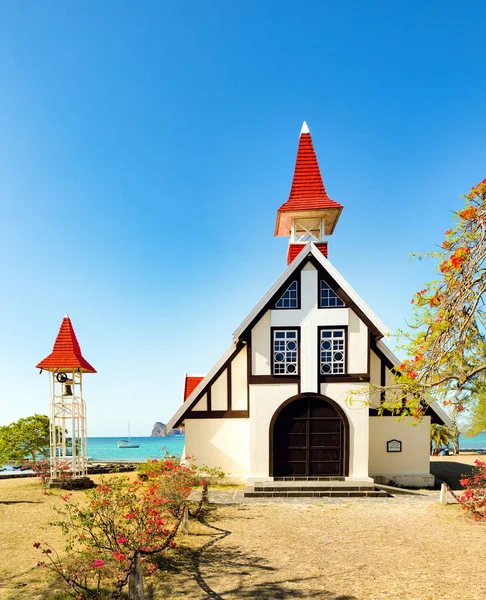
(219, 392)
(202, 404)
(357, 344)
(375, 378)
(260, 346)
(264, 401)
(239, 388)
(223, 443)
(414, 457)
(357, 414)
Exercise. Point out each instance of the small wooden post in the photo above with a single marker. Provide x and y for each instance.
(135, 582)
(185, 520)
(443, 494)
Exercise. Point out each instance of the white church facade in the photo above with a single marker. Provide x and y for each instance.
(277, 403)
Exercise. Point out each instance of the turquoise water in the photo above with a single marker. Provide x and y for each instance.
(477, 442)
(105, 448)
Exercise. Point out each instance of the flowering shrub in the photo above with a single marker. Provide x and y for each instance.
(43, 470)
(473, 498)
(120, 516)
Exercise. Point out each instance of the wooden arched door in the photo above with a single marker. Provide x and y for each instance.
(310, 438)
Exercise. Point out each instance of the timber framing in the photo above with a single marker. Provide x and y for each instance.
(190, 413)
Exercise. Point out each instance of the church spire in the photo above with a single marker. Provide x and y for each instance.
(309, 213)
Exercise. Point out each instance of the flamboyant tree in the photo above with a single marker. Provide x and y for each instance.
(446, 343)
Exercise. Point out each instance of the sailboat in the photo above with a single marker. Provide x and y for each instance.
(128, 443)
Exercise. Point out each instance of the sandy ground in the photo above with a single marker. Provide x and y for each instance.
(408, 547)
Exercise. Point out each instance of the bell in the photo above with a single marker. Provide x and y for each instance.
(67, 389)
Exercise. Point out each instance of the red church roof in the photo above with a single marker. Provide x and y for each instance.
(66, 353)
(307, 192)
(190, 384)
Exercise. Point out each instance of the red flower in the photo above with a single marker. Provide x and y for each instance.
(119, 556)
(97, 563)
(36, 545)
(130, 516)
(468, 213)
(121, 539)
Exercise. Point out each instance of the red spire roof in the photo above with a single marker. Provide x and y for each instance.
(307, 192)
(190, 384)
(66, 353)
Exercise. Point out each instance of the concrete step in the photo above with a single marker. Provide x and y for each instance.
(308, 493)
(313, 488)
(310, 478)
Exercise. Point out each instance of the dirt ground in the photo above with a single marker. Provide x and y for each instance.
(405, 549)
(408, 547)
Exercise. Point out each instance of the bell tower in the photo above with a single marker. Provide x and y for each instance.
(309, 215)
(68, 435)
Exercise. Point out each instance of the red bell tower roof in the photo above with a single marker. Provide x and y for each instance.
(66, 353)
(308, 196)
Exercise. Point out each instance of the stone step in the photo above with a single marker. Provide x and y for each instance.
(310, 478)
(307, 493)
(313, 488)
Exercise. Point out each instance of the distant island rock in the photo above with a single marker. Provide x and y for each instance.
(159, 430)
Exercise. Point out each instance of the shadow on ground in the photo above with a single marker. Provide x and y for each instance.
(450, 472)
(20, 502)
(227, 567)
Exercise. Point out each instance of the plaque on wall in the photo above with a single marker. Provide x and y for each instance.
(394, 446)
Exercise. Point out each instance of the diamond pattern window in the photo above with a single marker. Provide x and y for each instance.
(329, 298)
(289, 298)
(285, 352)
(332, 351)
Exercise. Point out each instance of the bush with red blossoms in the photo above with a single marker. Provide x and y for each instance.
(473, 497)
(117, 517)
(42, 469)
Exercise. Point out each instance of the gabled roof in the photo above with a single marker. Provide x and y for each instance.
(310, 249)
(357, 303)
(307, 192)
(66, 353)
(190, 384)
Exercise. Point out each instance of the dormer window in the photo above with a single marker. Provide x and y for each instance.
(328, 297)
(290, 298)
(307, 230)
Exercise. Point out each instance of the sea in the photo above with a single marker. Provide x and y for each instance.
(101, 449)
(106, 448)
(478, 442)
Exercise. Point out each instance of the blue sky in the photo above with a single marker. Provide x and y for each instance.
(145, 149)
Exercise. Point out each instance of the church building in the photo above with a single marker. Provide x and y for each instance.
(277, 402)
